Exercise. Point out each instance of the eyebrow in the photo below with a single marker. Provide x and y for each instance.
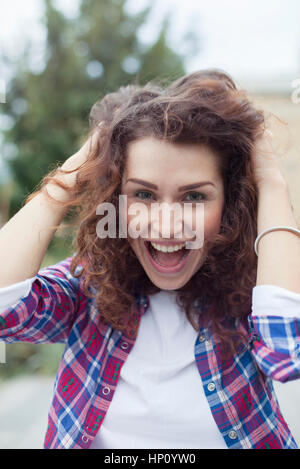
(181, 188)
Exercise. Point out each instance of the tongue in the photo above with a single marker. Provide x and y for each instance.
(169, 259)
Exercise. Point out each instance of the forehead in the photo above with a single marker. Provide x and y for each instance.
(154, 158)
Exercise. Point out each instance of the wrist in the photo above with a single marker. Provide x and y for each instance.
(271, 181)
(60, 194)
(274, 205)
(68, 180)
(53, 205)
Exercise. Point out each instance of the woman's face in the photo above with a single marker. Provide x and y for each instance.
(157, 171)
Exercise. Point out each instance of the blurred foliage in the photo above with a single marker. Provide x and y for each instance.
(86, 57)
(24, 358)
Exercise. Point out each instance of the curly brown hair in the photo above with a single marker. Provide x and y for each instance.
(203, 107)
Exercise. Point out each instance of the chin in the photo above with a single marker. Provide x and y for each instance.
(168, 284)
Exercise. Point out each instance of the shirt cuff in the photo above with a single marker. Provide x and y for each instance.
(13, 293)
(272, 300)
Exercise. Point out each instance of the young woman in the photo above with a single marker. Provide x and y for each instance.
(167, 346)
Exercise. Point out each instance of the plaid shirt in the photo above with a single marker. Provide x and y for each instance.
(239, 390)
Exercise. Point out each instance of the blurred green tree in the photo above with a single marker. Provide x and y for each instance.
(86, 57)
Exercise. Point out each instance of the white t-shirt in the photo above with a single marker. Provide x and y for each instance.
(159, 401)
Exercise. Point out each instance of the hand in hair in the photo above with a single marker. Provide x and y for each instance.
(74, 162)
(265, 160)
(66, 175)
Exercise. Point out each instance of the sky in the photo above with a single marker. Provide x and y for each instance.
(256, 41)
(258, 38)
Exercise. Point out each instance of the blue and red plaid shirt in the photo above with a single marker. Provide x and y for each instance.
(239, 390)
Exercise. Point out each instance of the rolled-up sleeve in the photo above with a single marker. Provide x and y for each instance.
(13, 293)
(41, 309)
(275, 327)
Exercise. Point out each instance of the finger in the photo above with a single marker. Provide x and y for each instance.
(90, 144)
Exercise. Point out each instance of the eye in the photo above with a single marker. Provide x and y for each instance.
(195, 196)
(144, 195)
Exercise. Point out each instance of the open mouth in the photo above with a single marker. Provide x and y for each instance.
(167, 258)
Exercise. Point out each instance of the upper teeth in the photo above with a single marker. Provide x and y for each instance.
(162, 248)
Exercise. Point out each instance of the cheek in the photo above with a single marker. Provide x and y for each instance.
(212, 221)
(136, 247)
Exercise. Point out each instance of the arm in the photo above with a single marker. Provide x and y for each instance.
(13, 293)
(275, 331)
(278, 251)
(24, 239)
(275, 319)
(47, 313)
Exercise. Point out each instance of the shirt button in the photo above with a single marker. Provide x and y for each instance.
(124, 345)
(85, 438)
(211, 387)
(202, 338)
(232, 435)
(106, 390)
